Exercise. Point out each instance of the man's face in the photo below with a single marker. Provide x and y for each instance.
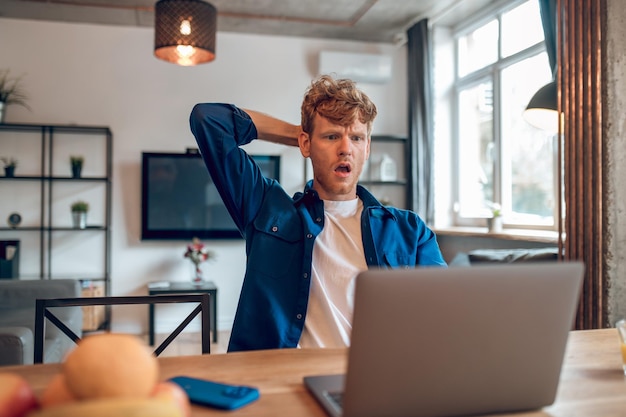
(337, 154)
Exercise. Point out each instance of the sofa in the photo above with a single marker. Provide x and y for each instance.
(17, 319)
(487, 256)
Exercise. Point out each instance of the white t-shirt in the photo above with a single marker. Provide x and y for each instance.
(338, 257)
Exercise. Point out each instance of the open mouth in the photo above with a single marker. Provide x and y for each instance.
(343, 169)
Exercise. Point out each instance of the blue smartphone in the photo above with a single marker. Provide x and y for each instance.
(216, 394)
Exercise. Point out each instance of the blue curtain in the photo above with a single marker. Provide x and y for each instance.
(420, 121)
(548, 20)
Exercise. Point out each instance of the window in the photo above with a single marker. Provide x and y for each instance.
(500, 63)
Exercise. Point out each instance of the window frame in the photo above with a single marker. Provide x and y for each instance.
(490, 73)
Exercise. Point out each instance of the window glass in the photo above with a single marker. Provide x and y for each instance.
(528, 176)
(478, 48)
(476, 147)
(521, 28)
(501, 158)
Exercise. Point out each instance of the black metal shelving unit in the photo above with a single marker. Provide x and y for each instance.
(49, 137)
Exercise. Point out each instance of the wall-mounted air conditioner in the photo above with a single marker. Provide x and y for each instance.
(359, 67)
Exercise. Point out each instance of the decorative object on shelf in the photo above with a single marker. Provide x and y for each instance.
(11, 92)
(197, 252)
(14, 220)
(494, 223)
(388, 169)
(79, 214)
(9, 166)
(184, 31)
(76, 162)
(9, 259)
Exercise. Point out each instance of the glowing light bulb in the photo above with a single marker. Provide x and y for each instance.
(185, 51)
(185, 27)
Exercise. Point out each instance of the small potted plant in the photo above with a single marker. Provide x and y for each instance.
(11, 92)
(79, 214)
(494, 223)
(76, 162)
(9, 166)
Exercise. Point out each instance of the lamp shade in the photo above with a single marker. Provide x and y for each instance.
(184, 31)
(541, 111)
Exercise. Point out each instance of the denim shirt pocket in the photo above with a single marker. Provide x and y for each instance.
(277, 245)
(398, 260)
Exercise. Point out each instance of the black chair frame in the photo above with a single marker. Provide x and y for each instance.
(42, 312)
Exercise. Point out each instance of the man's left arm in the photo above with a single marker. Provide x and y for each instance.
(428, 251)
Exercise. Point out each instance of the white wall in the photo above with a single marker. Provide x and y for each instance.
(108, 76)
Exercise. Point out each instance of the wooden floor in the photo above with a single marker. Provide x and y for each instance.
(189, 343)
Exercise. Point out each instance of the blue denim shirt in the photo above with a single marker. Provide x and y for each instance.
(280, 231)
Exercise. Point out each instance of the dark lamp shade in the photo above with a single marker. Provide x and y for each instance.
(541, 111)
(184, 31)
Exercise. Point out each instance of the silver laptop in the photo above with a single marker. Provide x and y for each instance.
(457, 341)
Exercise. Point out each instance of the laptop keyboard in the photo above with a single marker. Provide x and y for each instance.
(336, 398)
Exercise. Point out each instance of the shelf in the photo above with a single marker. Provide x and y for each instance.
(36, 178)
(21, 229)
(26, 127)
(388, 138)
(75, 276)
(53, 229)
(75, 229)
(43, 189)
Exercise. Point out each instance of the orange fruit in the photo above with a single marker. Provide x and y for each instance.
(111, 365)
(16, 395)
(173, 393)
(56, 392)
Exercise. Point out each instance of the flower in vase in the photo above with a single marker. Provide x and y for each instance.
(197, 252)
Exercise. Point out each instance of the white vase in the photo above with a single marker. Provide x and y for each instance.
(79, 219)
(388, 169)
(494, 224)
(197, 276)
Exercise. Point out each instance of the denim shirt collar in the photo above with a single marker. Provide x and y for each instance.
(310, 197)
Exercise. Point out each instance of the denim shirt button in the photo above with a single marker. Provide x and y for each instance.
(299, 316)
(318, 220)
(309, 235)
(274, 228)
(305, 275)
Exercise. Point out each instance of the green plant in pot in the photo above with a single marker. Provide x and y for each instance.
(11, 92)
(76, 163)
(79, 214)
(9, 166)
(494, 223)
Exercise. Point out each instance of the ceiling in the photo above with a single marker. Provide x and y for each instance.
(359, 20)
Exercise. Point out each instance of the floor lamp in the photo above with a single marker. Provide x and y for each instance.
(542, 112)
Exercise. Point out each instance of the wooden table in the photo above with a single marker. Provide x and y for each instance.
(592, 381)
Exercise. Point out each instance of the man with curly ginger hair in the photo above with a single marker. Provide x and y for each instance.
(304, 252)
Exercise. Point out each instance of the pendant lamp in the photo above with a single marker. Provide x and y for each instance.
(184, 31)
(541, 111)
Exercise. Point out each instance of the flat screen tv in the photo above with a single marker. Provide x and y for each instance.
(179, 200)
